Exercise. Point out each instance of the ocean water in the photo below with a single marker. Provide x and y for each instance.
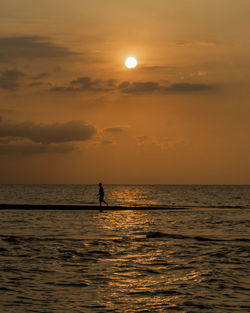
(197, 196)
(188, 260)
(125, 261)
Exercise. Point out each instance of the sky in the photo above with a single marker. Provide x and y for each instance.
(71, 112)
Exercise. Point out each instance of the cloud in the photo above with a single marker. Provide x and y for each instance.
(64, 89)
(48, 133)
(87, 84)
(30, 148)
(11, 79)
(162, 143)
(187, 87)
(36, 84)
(140, 87)
(31, 47)
(149, 87)
(185, 43)
(111, 83)
(107, 142)
(124, 85)
(84, 84)
(142, 139)
(109, 134)
(40, 76)
(116, 129)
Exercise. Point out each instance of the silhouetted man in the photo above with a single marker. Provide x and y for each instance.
(101, 195)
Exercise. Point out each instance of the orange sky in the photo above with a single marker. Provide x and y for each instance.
(72, 113)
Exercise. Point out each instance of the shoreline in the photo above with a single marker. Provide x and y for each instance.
(72, 207)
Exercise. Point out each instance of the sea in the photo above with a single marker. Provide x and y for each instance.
(190, 255)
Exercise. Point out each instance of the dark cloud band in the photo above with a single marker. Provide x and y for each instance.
(116, 129)
(11, 79)
(50, 133)
(31, 47)
(30, 148)
(86, 84)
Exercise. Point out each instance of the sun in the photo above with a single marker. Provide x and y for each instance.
(131, 62)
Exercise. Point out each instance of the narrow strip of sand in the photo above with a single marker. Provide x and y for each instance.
(103, 208)
(81, 207)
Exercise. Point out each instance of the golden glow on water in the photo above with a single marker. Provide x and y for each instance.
(133, 195)
(125, 221)
(145, 271)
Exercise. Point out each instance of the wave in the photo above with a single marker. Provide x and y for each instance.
(168, 292)
(185, 237)
(16, 240)
(81, 284)
(152, 234)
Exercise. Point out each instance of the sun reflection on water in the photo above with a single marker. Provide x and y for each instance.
(132, 195)
(139, 270)
(125, 223)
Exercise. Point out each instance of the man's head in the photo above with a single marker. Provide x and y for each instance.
(100, 184)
